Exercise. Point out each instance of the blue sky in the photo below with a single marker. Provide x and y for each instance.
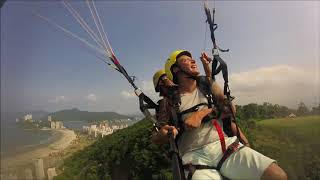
(274, 51)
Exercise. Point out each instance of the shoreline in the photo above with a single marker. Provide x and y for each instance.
(64, 139)
(54, 136)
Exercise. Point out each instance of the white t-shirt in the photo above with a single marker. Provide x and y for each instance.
(203, 135)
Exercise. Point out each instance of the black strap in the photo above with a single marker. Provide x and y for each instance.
(205, 87)
(226, 122)
(176, 163)
(192, 168)
(231, 149)
(192, 109)
(144, 107)
(149, 103)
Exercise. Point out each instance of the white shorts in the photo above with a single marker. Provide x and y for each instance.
(245, 163)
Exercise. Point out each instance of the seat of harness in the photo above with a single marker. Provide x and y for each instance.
(230, 150)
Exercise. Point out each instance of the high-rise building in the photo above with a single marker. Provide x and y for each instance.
(39, 169)
(53, 125)
(12, 177)
(49, 118)
(59, 125)
(28, 174)
(51, 173)
(27, 117)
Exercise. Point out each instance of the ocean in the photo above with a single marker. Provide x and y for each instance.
(16, 140)
(75, 125)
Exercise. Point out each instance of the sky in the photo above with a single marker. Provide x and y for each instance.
(274, 51)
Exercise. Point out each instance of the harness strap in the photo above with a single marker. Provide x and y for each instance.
(231, 149)
(192, 168)
(221, 135)
(192, 109)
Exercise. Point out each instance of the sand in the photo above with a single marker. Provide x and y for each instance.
(66, 136)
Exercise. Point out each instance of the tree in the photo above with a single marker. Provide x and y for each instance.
(268, 110)
(302, 109)
(315, 110)
(250, 111)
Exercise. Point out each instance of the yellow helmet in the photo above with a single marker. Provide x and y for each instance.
(156, 78)
(172, 60)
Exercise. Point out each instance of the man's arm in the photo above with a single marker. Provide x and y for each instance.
(163, 116)
(243, 138)
(195, 119)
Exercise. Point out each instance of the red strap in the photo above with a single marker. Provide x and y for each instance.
(221, 135)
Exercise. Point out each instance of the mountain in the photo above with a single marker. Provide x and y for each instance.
(77, 115)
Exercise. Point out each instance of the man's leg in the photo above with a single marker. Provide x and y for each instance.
(274, 172)
(247, 163)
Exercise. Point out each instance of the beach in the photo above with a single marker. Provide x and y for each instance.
(65, 137)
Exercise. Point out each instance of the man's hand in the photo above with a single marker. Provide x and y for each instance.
(164, 130)
(167, 82)
(205, 62)
(194, 121)
(205, 58)
(161, 137)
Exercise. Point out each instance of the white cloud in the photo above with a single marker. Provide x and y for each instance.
(127, 94)
(282, 84)
(58, 100)
(146, 87)
(91, 97)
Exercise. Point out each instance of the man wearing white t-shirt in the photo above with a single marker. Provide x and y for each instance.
(201, 142)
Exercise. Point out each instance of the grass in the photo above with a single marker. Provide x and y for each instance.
(293, 142)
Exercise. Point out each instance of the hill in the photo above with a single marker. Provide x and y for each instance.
(77, 115)
(293, 142)
(125, 154)
(129, 154)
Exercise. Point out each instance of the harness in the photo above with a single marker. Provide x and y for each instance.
(191, 168)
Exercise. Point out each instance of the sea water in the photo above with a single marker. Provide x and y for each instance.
(15, 139)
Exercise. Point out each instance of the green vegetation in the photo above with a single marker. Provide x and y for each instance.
(129, 154)
(126, 154)
(268, 111)
(80, 143)
(293, 142)
(77, 115)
